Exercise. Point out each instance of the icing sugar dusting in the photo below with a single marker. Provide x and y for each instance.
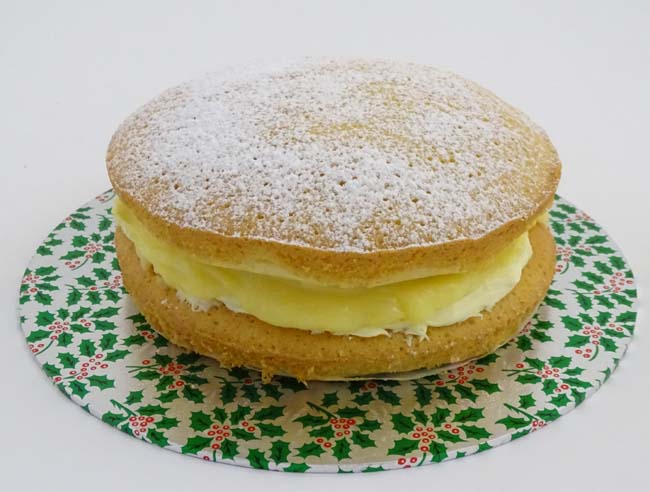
(345, 155)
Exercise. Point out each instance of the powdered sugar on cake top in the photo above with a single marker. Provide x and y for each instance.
(345, 155)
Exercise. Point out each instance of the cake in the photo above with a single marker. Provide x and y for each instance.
(334, 218)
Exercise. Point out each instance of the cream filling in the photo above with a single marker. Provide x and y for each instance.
(410, 306)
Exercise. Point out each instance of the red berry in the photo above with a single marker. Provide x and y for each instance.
(351, 421)
(319, 440)
(413, 460)
(219, 438)
(337, 426)
(225, 427)
(211, 433)
(251, 429)
(401, 461)
(339, 434)
(347, 432)
(328, 444)
(244, 423)
(455, 431)
(447, 426)
(215, 446)
(424, 448)
(479, 369)
(429, 429)
(220, 431)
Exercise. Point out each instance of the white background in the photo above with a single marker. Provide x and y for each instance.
(71, 71)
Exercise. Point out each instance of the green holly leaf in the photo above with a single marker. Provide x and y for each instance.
(93, 297)
(64, 340)
(101, 273)
(279, 451)
(603, 268)
(194, 379)
(448, 436)
(330, 399)
(310, 449)
(577, 341)
(560, 361)
(445, 394)
(134, 397)
(162, 359)
(43, 298)
(527, 378)
(576, 371)
(98, 257)
(350, 412)
(419, 416)
(388, 396)
(594, 277)
(44, 318)
(484, 385)
(134, 340)
(585, 318)
(149, 410)
(423, 395)
(105, 223)
(168, 396)
(620, 299)
(613, 333)
(548, 414)
(369, 425)
(106, 312)
(540, 335)
(228, 393)
(362, 440)
(440, 416)
(560, 400)
(107, 341)
(404, 446)
(626, 317)
(466, 392)
(608, 344)
(113, 419)
(79, 313)
(549, 386)
(584, 301)
(438, 452)
(363, 398)
(297, 468)
(270, 430)
(324, 431)
(156, 437)
(77, 328)
(486, 360)
(474, 432)
(51, 370)
(523, 343)
(513, 422)
(268, 413)
(116, 355)
(87, 348)
(85, 281)
(577, 261)
(196, 444)
(43, 251)
(44, 271)
(37, 336)
(242, 434)
(604, 301)
(469, 415)
(167, 423)
(558, 228)
(193, 394)
(402, 423)
(579, 383)
(67, 360)
(341, 449)
(101, 382)
(200, 421)
(527, 400)
(239, 414)
(78, 388)
(111, 295)
(555, 303)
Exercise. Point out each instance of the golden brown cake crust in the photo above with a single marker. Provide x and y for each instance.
(241, 340)
(346, 173)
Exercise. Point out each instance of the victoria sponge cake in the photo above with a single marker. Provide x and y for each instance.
(328, 218)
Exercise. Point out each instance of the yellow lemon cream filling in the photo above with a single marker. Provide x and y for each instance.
(409, 306)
